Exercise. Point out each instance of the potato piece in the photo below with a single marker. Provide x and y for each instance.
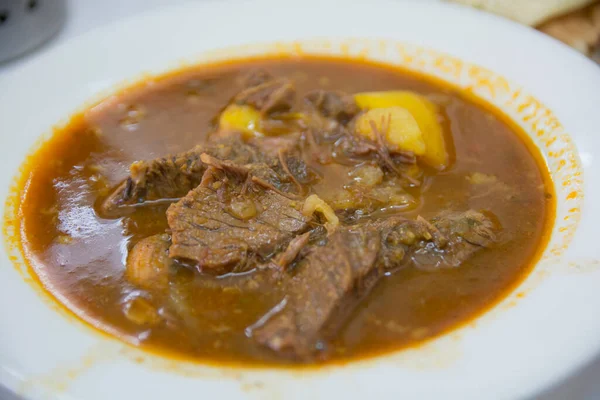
(402, 132)
(148, 263)
(244, 119)
(314, 203)
(392, 98)
(424, 112)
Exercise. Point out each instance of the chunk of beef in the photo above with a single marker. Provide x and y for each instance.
(269, 96)
(333, 278)
(444, 242)
(287, 170)
(276, 176)
(336, 105)
(162, 178)
(321, 283)
(271, 146)
(289, 173)
(295, 167)
(171, 177)
(230, 218)
(354, 147)
(148, 263)
(256, 77)
(357, 148)
(463, 234)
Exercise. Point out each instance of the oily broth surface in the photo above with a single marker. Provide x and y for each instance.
(82, 256)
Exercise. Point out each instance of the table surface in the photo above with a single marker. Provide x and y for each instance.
(84, 15)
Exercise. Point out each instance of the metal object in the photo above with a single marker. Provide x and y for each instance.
(25, 24)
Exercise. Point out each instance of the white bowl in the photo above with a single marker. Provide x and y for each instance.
(543, 331)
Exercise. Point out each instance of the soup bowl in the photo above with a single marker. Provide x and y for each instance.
(537, 335)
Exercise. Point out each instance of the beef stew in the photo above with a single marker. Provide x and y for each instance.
(284, 211)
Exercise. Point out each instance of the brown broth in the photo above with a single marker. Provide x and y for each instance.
(82, 256)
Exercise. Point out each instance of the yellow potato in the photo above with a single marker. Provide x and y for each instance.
(244, 119)
(402, 133)
(424, 112)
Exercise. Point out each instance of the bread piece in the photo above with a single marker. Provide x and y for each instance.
(528, 12)
(580, 29)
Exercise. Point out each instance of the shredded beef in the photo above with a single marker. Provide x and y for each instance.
(272, 95)
(171, 177)
(336, 105)
(332, 278)
(320, 284)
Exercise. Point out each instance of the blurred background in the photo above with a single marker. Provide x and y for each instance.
(29, 28)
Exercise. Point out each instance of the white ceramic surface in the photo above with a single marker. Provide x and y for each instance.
(511, 352)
